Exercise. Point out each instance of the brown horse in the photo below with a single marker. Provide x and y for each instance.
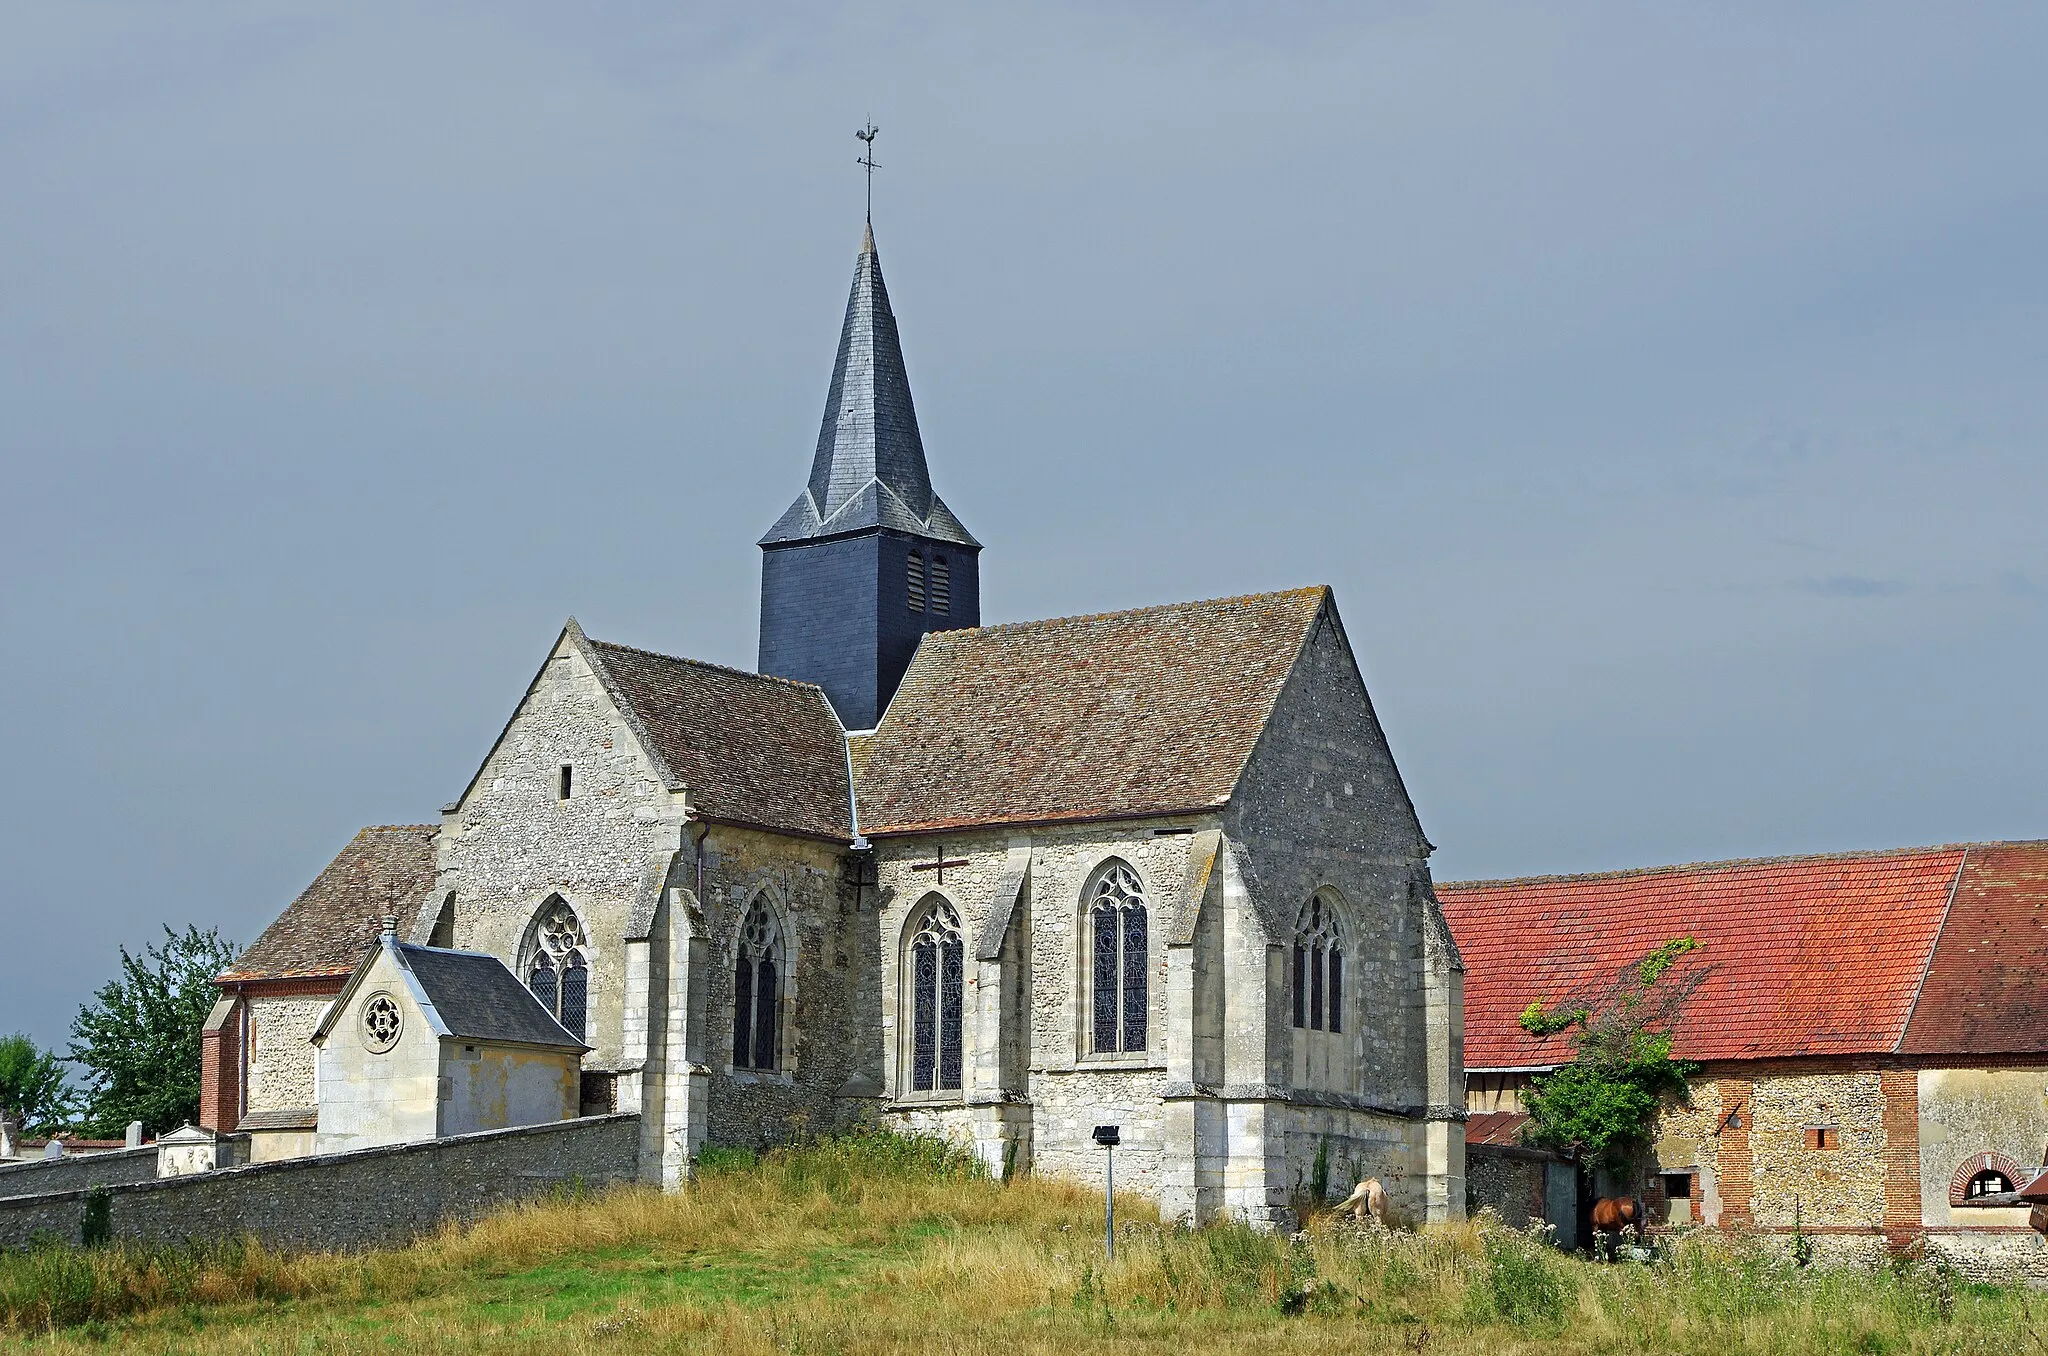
(1612, 1214)
(1367, 1201)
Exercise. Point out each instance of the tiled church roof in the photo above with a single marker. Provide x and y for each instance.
(1123, 714)
(752, 749)
(1915, 951)
(385, 869)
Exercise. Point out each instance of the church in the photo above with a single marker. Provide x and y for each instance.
(1005, 883)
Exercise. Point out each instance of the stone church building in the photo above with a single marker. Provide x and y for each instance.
(1006, 883)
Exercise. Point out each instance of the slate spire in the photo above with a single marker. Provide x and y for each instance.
(869, 470)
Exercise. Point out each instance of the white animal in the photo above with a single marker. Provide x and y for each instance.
(1367, 1201)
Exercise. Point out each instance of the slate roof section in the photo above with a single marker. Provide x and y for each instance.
(1986, 990)
(477, 998)
(869, 469)
(1119, 715)
(385, 869)
(1846, 954)
(753, 750)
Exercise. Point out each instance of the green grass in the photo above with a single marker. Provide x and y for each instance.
(881, 1244)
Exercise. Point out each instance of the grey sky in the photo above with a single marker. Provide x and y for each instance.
(1660, 387)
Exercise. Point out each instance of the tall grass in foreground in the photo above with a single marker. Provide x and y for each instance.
(932, 1256)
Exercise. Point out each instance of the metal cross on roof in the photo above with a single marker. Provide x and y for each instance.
(867, 162)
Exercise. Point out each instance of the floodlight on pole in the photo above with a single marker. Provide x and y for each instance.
(1107, 1136)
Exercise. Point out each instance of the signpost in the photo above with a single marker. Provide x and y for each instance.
(1107, 1137)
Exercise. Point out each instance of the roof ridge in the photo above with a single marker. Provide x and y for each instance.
(963, 631)
(704, 664)
(395, 828)
(1731, 863)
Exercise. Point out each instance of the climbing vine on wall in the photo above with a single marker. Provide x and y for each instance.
(1601, 1104)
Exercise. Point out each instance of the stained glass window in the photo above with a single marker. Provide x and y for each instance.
(558, 964)
(757, 991)
(937, 981)
(1319, 967)
(1120, 961)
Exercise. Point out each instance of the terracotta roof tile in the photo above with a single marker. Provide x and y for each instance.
(1495, 1127)
(1986, 990)
(752, 749)
(1802, 956)
(385, 869)
(1121, 714)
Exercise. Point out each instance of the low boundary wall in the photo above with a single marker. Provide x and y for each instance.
(40, 1175)
(359, 1199)
(1524, 1186)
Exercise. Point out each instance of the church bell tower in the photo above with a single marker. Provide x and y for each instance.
(867, 559)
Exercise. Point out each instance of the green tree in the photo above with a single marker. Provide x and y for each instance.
(33, 1088)
(138, 1040)
(1601, 1104)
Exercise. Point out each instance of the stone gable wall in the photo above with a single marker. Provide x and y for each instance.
(367, 1198)
(513, 842)
(1321, 805)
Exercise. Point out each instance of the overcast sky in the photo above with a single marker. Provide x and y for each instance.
(1660, 387)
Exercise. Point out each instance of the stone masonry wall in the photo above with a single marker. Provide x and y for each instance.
(1070, 1089)
(281, 1056)
(831, 1015)
(513, 843)
(1322, 805)
(1510, 1184)
(1842, 1186)
(362, 1199)
(1967, 1115)
(78, 1170)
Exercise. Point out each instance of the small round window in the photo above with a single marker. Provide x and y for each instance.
(381, 1023)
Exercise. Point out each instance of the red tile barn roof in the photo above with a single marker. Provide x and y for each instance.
(1922, 951)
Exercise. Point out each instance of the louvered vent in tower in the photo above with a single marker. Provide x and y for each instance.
(942, 585)
(916, 583)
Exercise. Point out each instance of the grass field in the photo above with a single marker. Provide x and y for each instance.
(878, 1244)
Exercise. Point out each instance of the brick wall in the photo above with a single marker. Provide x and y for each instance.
(220, 1072)
(343, 1201)
(1732, 1156)
(1901, 1092)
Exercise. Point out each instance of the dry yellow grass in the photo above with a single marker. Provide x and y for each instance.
(872, 1247)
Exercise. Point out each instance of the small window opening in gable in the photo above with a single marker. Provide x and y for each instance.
(942, 586)
(1823, 1137)
(1989, 1182)
(916, 582)
(567, 783)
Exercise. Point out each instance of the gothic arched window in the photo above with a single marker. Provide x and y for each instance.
(757, 991)
(1118, 928)
(557, 965)
(936, 958)
(1319, 967)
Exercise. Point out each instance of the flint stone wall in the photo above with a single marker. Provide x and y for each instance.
(40, 1176)
(365, 1198)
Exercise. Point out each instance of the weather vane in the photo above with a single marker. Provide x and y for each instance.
(867, 162)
